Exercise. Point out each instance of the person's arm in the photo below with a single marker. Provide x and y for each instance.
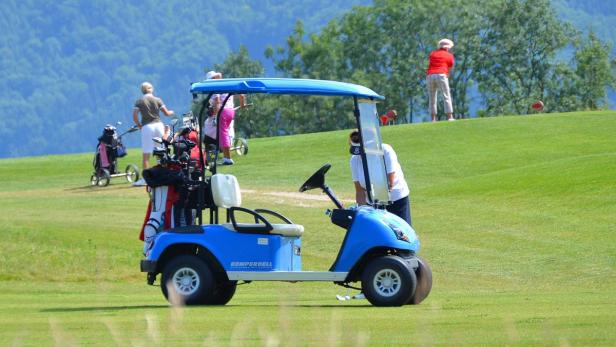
(390, 180)
(391, 159)
(242, 100)
(136, 117)
(360, 194)
(167, 112)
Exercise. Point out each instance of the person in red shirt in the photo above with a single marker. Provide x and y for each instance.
(441, 61)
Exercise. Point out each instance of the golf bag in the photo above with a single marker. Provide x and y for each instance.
(108, 150)
(173, 199)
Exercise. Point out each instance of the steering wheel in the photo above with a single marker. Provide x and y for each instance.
(317, 180)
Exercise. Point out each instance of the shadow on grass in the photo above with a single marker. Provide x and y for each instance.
(90, 188)
(143, 307)
(104, 308)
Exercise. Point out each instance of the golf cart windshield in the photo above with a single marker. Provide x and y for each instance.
(366, 113)
(371, 136)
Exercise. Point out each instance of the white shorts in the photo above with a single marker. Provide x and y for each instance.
(149, 131)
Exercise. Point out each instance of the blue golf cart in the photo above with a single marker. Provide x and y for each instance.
(202, 263)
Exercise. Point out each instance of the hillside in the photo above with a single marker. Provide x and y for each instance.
(515, 215)
(71, 67)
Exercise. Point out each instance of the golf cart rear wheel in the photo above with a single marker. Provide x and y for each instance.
(240, 145)
(223, 292)
(103, 177)
(424, 282)
(388, 281)
(132, 173)
(94, 180)
(187, 280)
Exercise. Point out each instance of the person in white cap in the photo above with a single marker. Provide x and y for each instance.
(226, 117)
(151, 126)
(441, 61)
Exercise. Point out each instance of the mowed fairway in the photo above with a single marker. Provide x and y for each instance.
(517, 217)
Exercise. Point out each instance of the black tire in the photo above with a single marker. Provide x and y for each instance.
(388, 281)
(223, 292)
(94, 180)
(240, 145)
(187, 280)
(132, 173)
(424, 282)
(103, 177)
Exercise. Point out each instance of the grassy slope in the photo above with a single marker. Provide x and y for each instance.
(515, 215)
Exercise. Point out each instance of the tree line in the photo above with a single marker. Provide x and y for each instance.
(511, 53)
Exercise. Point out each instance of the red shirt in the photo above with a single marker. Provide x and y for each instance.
(440, 62)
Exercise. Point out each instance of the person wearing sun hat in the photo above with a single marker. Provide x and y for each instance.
(226, 117)
(440, 62)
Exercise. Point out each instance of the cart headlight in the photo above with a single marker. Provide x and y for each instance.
(400, 235)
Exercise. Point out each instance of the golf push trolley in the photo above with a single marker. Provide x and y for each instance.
(202, 264)
(108, 150)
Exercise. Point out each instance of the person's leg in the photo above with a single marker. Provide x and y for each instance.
(401, 208)
(147, 145)
(444, 87)
(152, 130)
(432, 90)
(226, 117)
(146, 161)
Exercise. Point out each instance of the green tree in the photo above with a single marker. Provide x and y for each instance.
(517, 54)
(594, 72)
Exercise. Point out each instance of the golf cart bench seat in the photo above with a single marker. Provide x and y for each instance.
(226, 194)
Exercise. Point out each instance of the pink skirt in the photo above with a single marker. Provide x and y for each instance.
(226, 117)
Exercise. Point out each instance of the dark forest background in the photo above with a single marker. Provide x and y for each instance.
(70, 67)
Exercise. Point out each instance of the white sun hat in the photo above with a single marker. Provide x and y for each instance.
(445, 43)
(213, 74)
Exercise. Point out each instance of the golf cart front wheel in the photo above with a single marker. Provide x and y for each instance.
(388, 281)
(424, 282)
(187, 280)
(103, 177)
(94, 180)
(240, 145)
(132, 173)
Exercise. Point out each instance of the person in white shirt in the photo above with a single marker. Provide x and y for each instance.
(398, 189)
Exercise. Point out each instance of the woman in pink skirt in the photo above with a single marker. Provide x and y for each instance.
(226, 117)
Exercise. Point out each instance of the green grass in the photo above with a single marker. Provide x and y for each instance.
(515, 215)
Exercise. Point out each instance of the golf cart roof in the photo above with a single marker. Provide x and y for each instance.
(289, 86)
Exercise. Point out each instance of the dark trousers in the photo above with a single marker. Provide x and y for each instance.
(402, 209)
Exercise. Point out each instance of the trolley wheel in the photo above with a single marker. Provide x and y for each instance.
(103, 177)
(240, 145)
(132, 173)
(94, 180)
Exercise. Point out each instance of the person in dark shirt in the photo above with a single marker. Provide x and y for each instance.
(441, 61)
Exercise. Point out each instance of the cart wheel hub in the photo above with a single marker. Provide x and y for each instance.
(186, 281)
(387, 282)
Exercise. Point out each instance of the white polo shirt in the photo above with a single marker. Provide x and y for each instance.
(400, 189)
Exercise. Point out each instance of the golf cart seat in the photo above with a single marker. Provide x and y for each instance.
(226, 194)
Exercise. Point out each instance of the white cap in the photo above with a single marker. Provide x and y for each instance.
(445, 43)
(212, 74)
